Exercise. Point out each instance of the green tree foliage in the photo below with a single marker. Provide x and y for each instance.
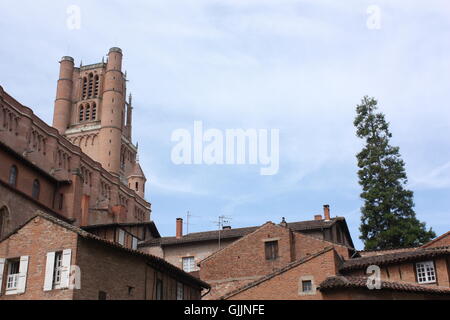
(388, 219)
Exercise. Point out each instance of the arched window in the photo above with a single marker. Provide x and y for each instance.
(81, 113)
(36, 189)
(91, 85)
(84, 88)
(97, 85)
(13, 176)
(94, 111)
(87, 115)
(3, 220)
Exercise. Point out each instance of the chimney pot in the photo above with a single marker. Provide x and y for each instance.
(318, 217)
(326, 211)
(226, 228)
(179, 233)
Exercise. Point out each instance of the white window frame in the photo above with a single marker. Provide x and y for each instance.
(57, 270)
(313, 290)
(19, 278)
(188, 264)
(426, 272)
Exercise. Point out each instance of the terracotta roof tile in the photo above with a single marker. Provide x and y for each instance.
(392, 258)
(238, 233)
(337, 282)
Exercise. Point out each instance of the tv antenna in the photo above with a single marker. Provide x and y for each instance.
(223, 221)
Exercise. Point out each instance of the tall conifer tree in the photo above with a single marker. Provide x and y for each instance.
(388, 219)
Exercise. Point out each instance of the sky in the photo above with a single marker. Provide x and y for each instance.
(299, 67)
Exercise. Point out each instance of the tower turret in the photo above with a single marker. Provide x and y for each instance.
(110, 136)
(63, 102)
(137, 179)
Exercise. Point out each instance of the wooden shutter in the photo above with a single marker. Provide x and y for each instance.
(49, 270)
(23, 270)
(2, 269)
(65, 268)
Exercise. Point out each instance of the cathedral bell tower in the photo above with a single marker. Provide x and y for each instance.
(92, 112)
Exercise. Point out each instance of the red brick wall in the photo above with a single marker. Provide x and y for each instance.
(285, 286)
(114, 271)
(34, 240)
(246, 257)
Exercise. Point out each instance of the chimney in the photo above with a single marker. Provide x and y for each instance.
(283, 223)
(226, 228)
(326, 212)
(318, 217)
(179, 228)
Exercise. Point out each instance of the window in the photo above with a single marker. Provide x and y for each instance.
(84, 88)
(180, 291)
(189, 264)
(102, 295)
(121, 239)
(137, 186)
(3, 220)
(307, 286)
(134, 243)
(426, 272)
(61, 201)
(36, 189)
(159, 289)
(97, 82)
(81, 117)
(13, 176)
(87, 115)
(94, 111)
(271, 248)
(12, 280)
(57, 269)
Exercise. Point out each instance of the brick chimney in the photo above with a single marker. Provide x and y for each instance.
(326, 212)
(318, 217)
(179, 228)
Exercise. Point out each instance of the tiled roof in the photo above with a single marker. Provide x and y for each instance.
(238, 233)
(151, 259)
(150, 224)
(447, 234)
(392, 258)
(337, 282)
(369, 253)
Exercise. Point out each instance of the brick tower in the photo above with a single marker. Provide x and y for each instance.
(91, 111)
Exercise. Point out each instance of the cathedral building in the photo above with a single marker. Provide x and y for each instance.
(72, 197)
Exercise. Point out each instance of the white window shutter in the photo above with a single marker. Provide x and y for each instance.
(49, 270)
(23, 270)
(65, 268)
(2, 268)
